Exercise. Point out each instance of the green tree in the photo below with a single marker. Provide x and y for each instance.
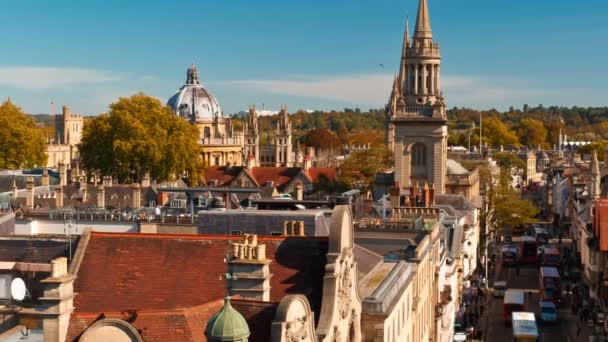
(21, 143)
(140, 135)
(504, 206)
(360, 168)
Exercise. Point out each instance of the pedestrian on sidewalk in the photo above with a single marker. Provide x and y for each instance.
(482, 308)
(578, 329)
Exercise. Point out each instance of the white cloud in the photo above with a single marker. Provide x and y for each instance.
(42, 78)
(374, 89)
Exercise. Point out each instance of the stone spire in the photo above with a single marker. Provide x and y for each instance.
(423, 22)
(406, 44)
(595, 177)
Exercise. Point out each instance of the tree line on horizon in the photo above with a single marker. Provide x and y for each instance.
(105, 140)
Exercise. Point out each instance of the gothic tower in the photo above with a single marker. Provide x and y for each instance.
(252, 137)
(282, 140)
(417, 129)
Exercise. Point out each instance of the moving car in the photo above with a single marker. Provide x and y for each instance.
(499, 288)
(548, 311)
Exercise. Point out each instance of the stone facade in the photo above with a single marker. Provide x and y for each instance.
(68, 132)
(220, 144)
(279, 151)
(417, 130)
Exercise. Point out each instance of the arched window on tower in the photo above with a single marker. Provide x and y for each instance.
(207, 132)
(419, 162)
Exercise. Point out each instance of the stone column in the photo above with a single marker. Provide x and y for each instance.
(416, 79)
(438, 85)
(59, 197)
(424, 80)
(432, 79)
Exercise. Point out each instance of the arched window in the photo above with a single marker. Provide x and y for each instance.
(419, 155)
(419, 162)
(207, 132)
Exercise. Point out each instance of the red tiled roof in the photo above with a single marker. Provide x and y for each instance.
(223, 175)
(174, 325)
(280, 176)
(314, 173)
(147, 272)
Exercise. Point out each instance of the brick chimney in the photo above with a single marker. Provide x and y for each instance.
(395, 193)
(251, 268)
(63, 174)
(307, 163)
(250, 162)
(58, 197)
(135, 196)
(45, 178)
(29, 192)
(101, 197)
(145, 182)
(57, 301)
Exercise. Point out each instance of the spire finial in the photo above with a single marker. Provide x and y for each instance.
(595, 165)
(423, 21)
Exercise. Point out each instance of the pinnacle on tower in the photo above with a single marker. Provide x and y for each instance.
(595, 165)
(423, 22)
(406, 44)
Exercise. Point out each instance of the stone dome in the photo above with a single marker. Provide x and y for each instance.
(227, 325)
(193, 101)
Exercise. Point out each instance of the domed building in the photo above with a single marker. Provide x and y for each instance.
(221, 145)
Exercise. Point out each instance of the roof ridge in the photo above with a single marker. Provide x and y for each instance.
(219, 237)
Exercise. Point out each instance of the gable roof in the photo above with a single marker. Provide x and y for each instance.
(280, 176)
(316, 173)
(152, 272)
(224, 175)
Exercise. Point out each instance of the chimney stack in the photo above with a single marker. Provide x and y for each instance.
(307, 163)
(301, 231)
(29, 190)
(45, 178)
(251, 268)
(395, 194)
(145, 182)
(299, 192)
(63, 174)
(135, 196)
(57, 301)
(59, 197)
(107, 181)
(250, 162)
(101, 197)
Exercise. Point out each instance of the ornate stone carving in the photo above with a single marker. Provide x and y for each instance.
(297, 330)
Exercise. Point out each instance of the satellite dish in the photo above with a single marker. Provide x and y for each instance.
(18, 290)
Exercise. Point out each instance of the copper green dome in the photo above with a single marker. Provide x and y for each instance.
(227, 325)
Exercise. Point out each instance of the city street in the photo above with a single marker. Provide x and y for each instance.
(492, 322)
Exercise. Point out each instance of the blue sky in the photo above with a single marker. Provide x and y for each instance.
(307, 54)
